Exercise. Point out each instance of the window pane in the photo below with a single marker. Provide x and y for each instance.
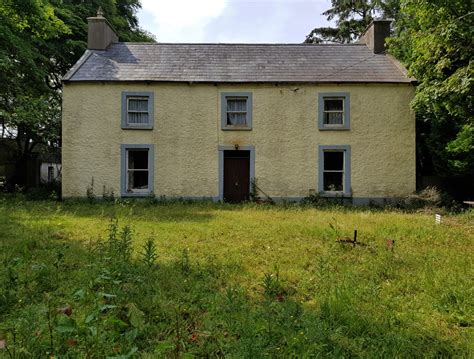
(137, 180)
(237, 119)
(50, 173)
(138, 104)
(137, 117)
(333, 161)
(137, 159)
(333, 181)
(333, 104)
(237, 105)
(333, 118)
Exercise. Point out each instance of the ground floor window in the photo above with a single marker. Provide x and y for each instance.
(334, 170)
(137, 170)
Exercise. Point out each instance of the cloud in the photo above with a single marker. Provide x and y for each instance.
(180, 20)
(232, 20)
(261, 21)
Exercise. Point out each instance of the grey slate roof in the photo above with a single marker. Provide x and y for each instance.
(237, 63)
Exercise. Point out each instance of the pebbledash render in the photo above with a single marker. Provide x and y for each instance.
(217, 121)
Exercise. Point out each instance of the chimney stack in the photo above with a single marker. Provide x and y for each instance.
(375, 35)
(100, 34)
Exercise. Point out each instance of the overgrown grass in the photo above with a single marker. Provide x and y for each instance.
(206, 280)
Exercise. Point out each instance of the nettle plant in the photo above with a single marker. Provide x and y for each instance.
(95, 313)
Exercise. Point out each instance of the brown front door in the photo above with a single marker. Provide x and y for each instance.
(236, 176)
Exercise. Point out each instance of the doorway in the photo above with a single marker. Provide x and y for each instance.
(236, 176)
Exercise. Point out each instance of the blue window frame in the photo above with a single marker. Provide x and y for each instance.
(334, 165)
(236, 111)
(334, 111)
(137, 170)
(137, 110)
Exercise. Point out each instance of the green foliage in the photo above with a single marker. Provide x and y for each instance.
(67, 49)
(149, 253)
(352, 18)
(90, 194)
(66, 290)
(40, 41)
(29, 109)
(434, 40)
(108, 194)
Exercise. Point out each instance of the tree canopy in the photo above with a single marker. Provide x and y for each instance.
(40, 40)
(351, 18)
(433, 38)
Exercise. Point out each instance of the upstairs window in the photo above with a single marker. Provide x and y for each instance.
(137, 110)
(333, 111)
(137, 170)
(236, 111)
(335, 170)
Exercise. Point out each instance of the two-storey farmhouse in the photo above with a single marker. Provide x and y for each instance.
(207, 120)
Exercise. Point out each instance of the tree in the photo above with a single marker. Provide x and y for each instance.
(25, 27)
(434, 41)
(67, 48)
(40, 40)
(352, 17)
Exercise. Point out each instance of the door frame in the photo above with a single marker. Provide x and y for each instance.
(221, 149)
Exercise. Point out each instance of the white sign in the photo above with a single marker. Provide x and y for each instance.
(437, 218)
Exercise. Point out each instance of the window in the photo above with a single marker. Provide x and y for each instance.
(334, 170)
(236, 111)
(333, 111)
(50, 174)
(137, 170)
(333, 176)
(137, 110)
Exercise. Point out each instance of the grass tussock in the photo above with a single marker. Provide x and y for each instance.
(142, 280)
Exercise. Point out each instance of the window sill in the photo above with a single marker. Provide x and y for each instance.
(335, 128)
(136, 194)
(230, 128)
(149, 127)
(335, 194)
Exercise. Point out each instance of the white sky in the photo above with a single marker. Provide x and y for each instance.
(250, 21)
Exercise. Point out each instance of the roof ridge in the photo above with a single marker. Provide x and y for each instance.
(234, 44)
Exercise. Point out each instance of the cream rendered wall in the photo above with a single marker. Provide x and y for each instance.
(285, 134)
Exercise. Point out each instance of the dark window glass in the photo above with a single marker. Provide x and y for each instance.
(137, 180)
(333, 181)
(137, 170)
(137, 160)
(334, 161)
(333, 104)
(50, 173)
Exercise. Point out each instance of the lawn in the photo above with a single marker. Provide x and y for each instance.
(147, 280)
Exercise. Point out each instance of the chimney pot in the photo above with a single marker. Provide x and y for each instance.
(375, 35)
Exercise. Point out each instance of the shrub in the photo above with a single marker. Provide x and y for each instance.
(430, 197)
(45, 191)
